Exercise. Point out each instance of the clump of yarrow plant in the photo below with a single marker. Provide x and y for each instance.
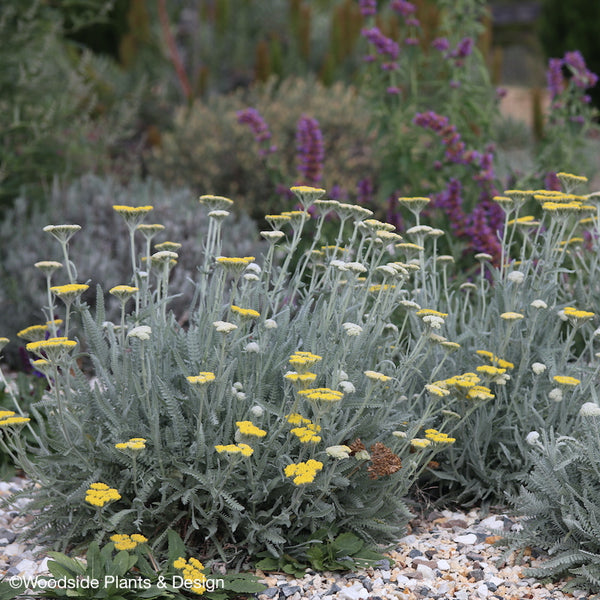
(287, 403)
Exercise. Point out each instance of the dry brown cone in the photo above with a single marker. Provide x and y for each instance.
(383, 461)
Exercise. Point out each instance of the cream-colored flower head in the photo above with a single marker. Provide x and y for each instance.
(63, 233)
(215, 202)
(306, 194)
(48, 267)
(141, 332)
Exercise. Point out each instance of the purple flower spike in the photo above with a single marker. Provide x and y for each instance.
(441, 44)
(554, 77)
(310, 149)
(367, 7)
(464, 48)
(403, 7)
(258, 126)
(383, 44)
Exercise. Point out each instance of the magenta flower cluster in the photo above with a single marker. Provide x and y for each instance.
(482, 225)
(574, 63)
(311, 151)
(260, 129)
(384, 46)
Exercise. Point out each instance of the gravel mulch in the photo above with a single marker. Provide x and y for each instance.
(446, 555)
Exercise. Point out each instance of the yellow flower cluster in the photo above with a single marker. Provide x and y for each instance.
(235, 264)
(438, 437)
(376, 376)
(127, 542)
(303, 472)
(498, 362)
(429, 312)
(55, 343)
(302, 380)
(132, 444)
(123, 292)
(7, 417)
(249, 428)
(307, 430)
(192, 573)
(303, 360)
(70, 291)
(420, 443)
(574, 313)
(245, 313)
(132, 210)
(326, 394)
(566, 380)
(378, 287)
(33, 333)
(512, 316)
(490, 370)
(100, 494)
(467, 384)
(202, 378)
(242, 449)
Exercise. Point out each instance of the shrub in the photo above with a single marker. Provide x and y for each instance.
(87, 202)
(62, 109)
(285, 406)
(210, 150)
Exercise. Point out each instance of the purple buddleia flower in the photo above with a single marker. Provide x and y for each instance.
(311, 152)
(260, 129)
(403, 7)
(365, 191)
(411, 41)
(450, 202)
(367, 7)
(383, 44)
(481, 236)
(554, 77)
(394, 90)
(464, 48)
(412, 22)
(442, 44)
(552, 182)
(582, 77)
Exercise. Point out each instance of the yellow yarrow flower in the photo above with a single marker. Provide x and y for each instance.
(14, 421)
(480, 392)
(51, 345)
(307, 434)
(512, 316)
(575, 314)
(33, 333)
(100, 494)
(133, 444)
(193, 574)
(325, 394)
(490, 370)
(566, 380)
(429, 312)
(67, 293)
(437, 389)
(420, 443)
(296, 419)
(123, 541)
(249, 428)
(504, 364)
(303, 360)
(303, 472)
(245, 313)
(202, 378)
(123, 292)
(376, 376)
(242, 449)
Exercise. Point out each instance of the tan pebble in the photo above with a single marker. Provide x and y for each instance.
(492, 539)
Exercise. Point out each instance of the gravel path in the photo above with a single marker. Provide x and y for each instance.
(446, 555)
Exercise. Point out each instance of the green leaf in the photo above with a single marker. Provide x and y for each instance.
(94, 561)
(243, 583)
(7, 592)
(176, 546)
(347, 544)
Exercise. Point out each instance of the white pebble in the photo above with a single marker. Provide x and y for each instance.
(461, 595)
(492, 523)
(355, 592)
(482, 591)
(426, 571)
(443, 565)
(468, 539)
